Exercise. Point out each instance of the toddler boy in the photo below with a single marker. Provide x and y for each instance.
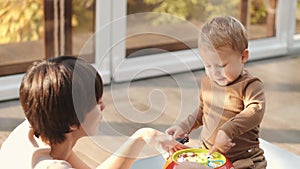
(232, 101)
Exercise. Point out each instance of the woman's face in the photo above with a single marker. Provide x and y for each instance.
(92, 119)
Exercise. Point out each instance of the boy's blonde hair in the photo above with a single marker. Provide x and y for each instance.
(224, 31)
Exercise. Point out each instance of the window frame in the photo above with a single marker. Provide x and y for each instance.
(294, 39)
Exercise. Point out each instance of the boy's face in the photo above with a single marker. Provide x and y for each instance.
(223, 65)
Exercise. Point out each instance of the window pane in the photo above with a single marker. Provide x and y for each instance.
(21, 34)
(257, 15)
(298, 18)
(262, 18)
(83, 28)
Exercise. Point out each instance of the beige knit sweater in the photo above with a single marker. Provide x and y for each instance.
(237, 109)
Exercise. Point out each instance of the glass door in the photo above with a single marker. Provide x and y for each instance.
(21, 41)
(133, 39)
(154, 37)
(38, 29)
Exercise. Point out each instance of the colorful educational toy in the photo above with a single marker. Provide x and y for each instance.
(215, 160)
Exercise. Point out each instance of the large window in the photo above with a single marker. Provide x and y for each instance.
(162, 35)
(35, 29)
(21, 34)
(258, 16)
(133, 39)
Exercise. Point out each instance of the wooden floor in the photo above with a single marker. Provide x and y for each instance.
(163, 101)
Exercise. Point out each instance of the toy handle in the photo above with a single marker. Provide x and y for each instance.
(183, 140)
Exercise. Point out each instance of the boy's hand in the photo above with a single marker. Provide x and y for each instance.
(222, 143)
(175, 131)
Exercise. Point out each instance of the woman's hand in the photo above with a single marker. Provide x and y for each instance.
(124, 157)
(162, 142)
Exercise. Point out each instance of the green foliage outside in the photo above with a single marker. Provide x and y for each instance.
(195, 9)
(22, 20)
(258, 12)
(83, 16)
(200, 10)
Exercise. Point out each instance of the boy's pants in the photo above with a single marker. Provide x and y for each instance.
(253, 159)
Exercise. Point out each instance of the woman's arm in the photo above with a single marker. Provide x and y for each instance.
(129, 151)
(77, 162)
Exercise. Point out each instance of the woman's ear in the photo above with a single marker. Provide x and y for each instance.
(73, 127)
(245, 55)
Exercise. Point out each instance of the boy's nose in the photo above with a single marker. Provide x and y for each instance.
(217, 71)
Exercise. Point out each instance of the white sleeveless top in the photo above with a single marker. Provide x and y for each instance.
(23, 150)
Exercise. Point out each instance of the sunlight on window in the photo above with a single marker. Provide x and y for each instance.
(21, 21)
(254, 14)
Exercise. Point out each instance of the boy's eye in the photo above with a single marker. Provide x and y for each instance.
(208, 66)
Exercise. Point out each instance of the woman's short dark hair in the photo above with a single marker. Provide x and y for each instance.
(57, 93)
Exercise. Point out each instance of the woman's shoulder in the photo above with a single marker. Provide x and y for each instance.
(42, 160)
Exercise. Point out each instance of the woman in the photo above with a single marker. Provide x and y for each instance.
(62, 102)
